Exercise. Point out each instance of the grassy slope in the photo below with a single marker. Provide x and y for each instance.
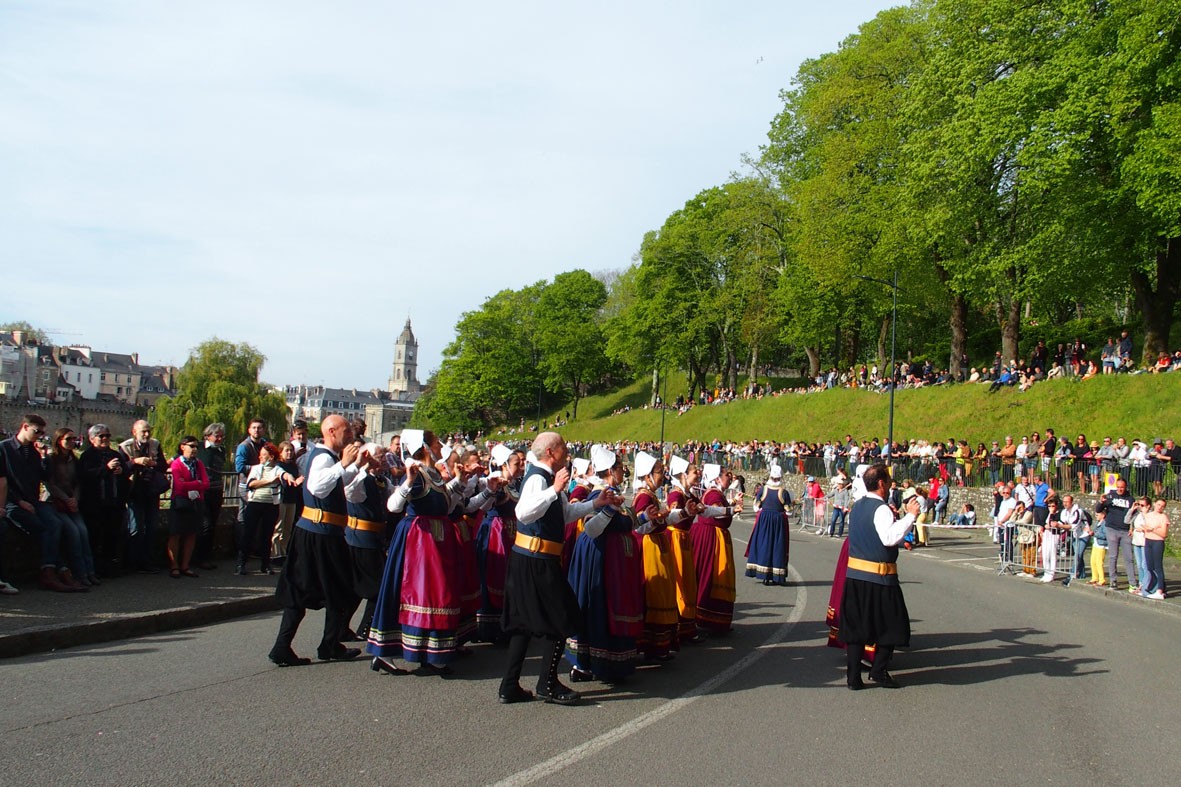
(1144, 406)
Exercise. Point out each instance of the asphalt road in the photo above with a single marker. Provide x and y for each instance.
(1007, 681)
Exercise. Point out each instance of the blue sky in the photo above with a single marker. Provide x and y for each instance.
(304, 176)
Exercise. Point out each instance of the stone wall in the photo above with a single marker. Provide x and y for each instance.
(78, 416)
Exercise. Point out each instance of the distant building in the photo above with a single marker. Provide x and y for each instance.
(155, 382)
(384, 412)
(404, 377)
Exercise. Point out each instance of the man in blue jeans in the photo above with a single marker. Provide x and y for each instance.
(22, 468)
(1077, 520)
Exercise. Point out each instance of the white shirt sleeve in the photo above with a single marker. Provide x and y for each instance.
(891, 531)
(354, 491)
(537, 496)
(595, 525)
(396, 503)
(324, 471)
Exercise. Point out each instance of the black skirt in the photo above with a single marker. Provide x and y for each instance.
(538, 600)
(368, 568)
(874, 614)
(317, 572)
(184, 521)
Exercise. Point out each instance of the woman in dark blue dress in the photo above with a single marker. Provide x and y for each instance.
(766, 559)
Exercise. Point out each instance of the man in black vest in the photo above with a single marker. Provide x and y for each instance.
(873, 609)
(538, 601)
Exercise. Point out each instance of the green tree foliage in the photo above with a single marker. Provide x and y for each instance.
(36, 334)
(219, 383)
(568, 332)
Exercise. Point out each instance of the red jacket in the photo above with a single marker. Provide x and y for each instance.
(183, 481)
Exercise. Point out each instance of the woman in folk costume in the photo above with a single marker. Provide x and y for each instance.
(766, 556)
(418, 610)
(660, 570)
(467, 513)
(495, 539)
(684, 506)
(583, 486)
(713, 555)
(607, 575)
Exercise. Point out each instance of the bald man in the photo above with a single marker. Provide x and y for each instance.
(318, 571)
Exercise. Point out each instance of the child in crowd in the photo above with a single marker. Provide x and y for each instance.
(1098, 550)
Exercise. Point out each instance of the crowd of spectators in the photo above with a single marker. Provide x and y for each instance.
(93, 506)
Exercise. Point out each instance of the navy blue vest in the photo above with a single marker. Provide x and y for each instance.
(550, 526)
(333, 502)
(372, 510)
(865, 544)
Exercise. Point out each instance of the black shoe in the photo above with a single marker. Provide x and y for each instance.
(381, 665)
(515, 694)
(241, 571)
(340, 654)
(581, 675)
(287, 658)
(351, 636)
(432, 669)
(855, 684)
(885, 680)
(559, 695)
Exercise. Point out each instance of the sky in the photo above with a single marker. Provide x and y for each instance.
(304, 176)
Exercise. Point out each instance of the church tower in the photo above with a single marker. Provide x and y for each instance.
(404, 378)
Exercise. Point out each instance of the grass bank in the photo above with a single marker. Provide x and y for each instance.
(1144, 406)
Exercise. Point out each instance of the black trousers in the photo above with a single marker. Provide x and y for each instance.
(334, 625)
(518, 647)
(855, 652)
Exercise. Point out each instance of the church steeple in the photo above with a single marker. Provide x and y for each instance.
(404, 377)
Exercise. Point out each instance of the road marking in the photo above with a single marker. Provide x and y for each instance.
(595, 745)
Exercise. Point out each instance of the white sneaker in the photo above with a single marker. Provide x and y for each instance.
(1158, 595)
(1047, 578)
(7, 589)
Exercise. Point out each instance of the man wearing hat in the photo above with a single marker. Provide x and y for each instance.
(538, 601)
(873, 609)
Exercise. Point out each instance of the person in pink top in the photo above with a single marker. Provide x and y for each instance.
(189, 484)
(1155, 527)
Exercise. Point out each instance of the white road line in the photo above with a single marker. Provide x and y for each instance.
(595, 745)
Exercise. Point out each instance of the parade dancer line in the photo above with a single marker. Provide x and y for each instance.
(538, 601)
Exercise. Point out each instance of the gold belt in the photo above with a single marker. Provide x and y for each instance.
(535, 544)
(870, 567)
(366, 524)
(318, 515)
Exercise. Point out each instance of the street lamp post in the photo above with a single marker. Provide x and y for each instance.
(893, 359)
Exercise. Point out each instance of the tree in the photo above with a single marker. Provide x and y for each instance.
(568, 332)
(36, 334)
(219, 383)
(490, 372)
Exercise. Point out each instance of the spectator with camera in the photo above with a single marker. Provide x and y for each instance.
(147, 474)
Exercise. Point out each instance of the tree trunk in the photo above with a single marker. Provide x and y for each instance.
(731, 370)
(753, 370)
(1157, 304)
(813, 354)
(959, 335)
(1010, 315)
(655, 386)
(836, 345)
(854, 345)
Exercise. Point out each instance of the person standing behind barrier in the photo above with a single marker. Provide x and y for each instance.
(290, 500)
(1135, 520)
(264, 492)
(1098, 533)
(873, 609)
(1117, 504)
(1075, 524)
(62, 485)
(1051, 531)
(1155, 526)
(142, 455)
(1006, 525)
(246, 457)
(102, 500)
(190, 483)
(212, 455)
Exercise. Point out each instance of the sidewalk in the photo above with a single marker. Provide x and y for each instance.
(131, 606)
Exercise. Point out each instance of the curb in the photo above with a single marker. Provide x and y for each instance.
(49, 638)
